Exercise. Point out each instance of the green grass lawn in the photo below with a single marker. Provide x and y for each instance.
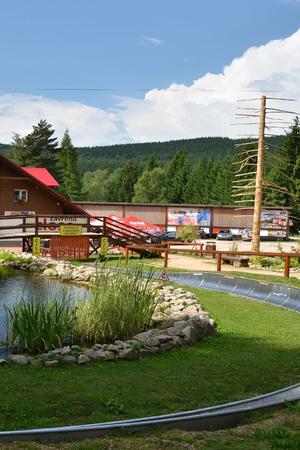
(155, 264)
(257, 351)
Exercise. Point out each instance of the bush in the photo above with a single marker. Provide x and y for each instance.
(264, 261)
(37, 326)
(122, 305)
(189, 233)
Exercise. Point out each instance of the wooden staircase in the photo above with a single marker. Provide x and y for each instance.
(120, 234)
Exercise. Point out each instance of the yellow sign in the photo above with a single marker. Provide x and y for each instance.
(36, 246)
(70, 230)
(104, 246)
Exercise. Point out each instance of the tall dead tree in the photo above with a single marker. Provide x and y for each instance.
(259, 178)
(249, 182)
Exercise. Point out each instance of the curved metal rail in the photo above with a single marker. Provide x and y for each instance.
(214, 417)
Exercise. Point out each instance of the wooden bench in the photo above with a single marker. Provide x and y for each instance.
(237, 261)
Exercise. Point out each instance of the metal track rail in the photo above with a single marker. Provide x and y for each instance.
(215, 417)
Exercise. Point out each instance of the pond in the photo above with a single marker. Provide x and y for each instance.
(16, 286)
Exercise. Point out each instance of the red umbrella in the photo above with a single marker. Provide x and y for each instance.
(141, 224)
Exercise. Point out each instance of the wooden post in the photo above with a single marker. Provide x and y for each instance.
(126, 252)
(287, 261)
(259, 178)
(219, 262)
(36, 226)
(104, 226)
(166, 257)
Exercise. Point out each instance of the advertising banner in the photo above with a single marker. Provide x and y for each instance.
(189, 216)
(274, 219)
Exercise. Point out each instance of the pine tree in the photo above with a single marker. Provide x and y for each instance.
(18, 150)
(151, 163)
(222, 178)
(198, 186)
(38, 148)
(177, 173)
(128, 176)
(68, 168)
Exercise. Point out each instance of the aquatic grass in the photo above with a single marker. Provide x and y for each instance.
(7, 256)
(37, 326)
(122, 305)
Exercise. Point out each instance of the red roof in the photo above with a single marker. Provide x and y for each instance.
(43, 175)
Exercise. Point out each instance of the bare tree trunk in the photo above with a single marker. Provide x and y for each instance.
(259, 178)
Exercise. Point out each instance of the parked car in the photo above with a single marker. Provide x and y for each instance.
(225, 234)
(167, 235)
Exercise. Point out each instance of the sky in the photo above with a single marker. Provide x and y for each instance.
(143, 70)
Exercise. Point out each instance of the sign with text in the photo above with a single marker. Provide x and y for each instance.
(36, 246)
(104, 246)
(70, 230)
(189, 216)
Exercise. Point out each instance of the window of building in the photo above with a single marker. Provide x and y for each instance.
(21, 195)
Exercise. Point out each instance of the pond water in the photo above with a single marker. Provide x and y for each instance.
(16, 286)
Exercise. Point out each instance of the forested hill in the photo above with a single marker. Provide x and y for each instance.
(114, 156)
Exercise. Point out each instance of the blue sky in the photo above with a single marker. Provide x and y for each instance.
(126, 45)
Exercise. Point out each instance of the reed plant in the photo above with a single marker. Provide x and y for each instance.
(122, 305)
(37, 326)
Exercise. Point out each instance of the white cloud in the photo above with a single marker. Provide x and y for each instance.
(87, 125)
(205, 108)
(153, 40)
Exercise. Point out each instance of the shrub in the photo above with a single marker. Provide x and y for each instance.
(189, 233)
(37, 326)
(122, 305)
(264, 261)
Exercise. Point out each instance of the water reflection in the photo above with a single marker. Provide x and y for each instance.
(15, 286)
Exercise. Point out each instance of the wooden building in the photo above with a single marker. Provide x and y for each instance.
(212, 219)
(22, 193)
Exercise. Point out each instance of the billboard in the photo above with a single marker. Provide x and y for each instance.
(189, 216)
(274, 219)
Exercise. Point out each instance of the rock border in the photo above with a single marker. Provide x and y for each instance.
(178, 321)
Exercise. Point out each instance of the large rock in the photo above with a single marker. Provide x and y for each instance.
(66, 350)
(103, 355)
(175, 331)
(21, 360)
(130, 354)
(50, 273)
(163, 338)
(148, 338)
(83, 359)
(190, 334)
